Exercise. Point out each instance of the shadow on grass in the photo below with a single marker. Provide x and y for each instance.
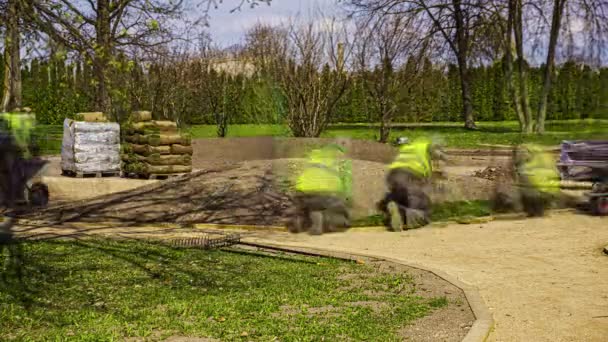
(58, 272)
(103, 290)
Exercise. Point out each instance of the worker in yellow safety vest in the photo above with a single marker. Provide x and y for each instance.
(408, 175)
(538, 178)
(323, 191)
(15, 147)
(20, 127)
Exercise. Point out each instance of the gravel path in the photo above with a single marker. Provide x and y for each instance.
(544, 279)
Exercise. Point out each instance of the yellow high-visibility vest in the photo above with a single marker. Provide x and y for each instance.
(20, 126)
(541, 170)
(322, 174)
(414, 157)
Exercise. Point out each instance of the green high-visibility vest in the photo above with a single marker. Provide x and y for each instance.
(541, 170)
(20, 126)
(414, 157)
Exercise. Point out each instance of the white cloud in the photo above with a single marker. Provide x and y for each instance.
(228, 28)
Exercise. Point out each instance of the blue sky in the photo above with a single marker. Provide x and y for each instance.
(228, 28)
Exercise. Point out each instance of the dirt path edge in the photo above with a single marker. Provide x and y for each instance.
(484, 322)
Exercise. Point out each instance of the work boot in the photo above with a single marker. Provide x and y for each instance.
(336, 221)
(295, 225)
(415, 218)
(396, 221)
(316, 218)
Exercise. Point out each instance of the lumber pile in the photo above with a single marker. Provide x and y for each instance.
(155, 148)
(90, 147)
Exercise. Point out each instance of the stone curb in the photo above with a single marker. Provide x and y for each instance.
(484, 322)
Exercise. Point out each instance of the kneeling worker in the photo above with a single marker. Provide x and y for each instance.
(407, 178)
(323, 189)
(538, 179)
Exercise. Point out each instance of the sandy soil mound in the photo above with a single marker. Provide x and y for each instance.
(251, 192)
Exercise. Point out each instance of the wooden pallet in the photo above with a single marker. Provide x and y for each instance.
(91, 174)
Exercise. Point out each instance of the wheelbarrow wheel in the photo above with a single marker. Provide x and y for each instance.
(599, 205)
(39, 195)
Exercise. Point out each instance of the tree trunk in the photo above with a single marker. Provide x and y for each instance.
(11, 98)
(462, 41)
(467, 103)
(521, 68)
(384, 97)
(509, 68)
(101, 60)
(558, 10)
(385, 123)
(385, 132)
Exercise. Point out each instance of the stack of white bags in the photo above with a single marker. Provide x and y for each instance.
(90, 147)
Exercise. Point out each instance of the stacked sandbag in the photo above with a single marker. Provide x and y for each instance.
(90, 147)
(92, 117)
(155, 147)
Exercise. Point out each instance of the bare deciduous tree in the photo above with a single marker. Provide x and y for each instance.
(387, 41)
(312, 76)
(263, 44)
(11, 97)
(451, 21)
(99, 29)
(524, 103)
(593, 16)
(556, 22)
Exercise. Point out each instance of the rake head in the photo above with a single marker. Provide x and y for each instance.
(209, 241)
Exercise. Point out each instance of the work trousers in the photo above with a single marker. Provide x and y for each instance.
(408, 191)
(319, 213)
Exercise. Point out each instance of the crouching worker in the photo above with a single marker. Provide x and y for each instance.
(323, 190)
(537, 178)
(407, 200)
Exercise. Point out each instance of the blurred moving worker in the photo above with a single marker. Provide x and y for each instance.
(19, 126)
(323, 191)
(537, 177)
(17, 167)
(408, 178)
(17, 162)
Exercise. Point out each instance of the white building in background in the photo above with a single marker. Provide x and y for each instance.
(234, 66)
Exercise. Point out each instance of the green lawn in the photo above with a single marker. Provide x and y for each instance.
(494, 133)
(108, 290)
(452, 133)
